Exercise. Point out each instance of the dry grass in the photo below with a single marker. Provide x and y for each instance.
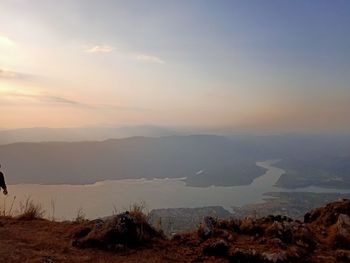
(53, 209)
(46, 241)
(7, 212)
(80, 218)
(30, 210)
(139, 211)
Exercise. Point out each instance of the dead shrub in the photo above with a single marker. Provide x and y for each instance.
(30, 210)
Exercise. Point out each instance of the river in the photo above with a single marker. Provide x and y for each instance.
(104, 198)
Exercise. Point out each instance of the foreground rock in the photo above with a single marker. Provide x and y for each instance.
(126, 230)
(324, 236)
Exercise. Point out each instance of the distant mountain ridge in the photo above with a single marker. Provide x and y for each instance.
(203, 159)
(136, 157)
(44, 134)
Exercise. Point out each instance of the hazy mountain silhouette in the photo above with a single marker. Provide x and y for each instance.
(43, 134)
(137, 157)
(203, 159)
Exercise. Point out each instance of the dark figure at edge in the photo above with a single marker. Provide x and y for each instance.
(2, 182)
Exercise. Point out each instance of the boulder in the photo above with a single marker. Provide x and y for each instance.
(343, 226)
(206, 229)
(328, 215)
(121, 231)
(342, 236)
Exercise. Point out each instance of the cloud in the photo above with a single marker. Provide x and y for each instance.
(17, 94)
(99, 49)
(8, 74)
(58, 99)
(149, 58)
(121, 108)
(32, 96)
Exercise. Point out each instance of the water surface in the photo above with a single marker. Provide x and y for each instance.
(103, 198)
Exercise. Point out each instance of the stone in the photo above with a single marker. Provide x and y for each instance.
(276, 257)
(207, 228)
(343, 225)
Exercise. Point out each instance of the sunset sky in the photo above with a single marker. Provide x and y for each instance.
(249, 65)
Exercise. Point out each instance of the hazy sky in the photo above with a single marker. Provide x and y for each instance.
(249, 65)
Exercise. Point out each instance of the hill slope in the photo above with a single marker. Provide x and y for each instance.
(221, 161)
(324, 236)
(204, 159)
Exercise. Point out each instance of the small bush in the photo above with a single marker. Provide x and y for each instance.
(30, 210)
(139, 211)
(80, 218)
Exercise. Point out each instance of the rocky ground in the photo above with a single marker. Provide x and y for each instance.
(291, 204)
(323, 236)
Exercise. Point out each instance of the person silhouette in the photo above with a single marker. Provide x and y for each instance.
(2, 183)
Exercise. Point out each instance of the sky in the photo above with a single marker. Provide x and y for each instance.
(246, 65)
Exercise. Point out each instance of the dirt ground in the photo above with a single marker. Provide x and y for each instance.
(48, 242)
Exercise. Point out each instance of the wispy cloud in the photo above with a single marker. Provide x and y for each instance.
(120, 108)
(144, 57)
(149, 58)
(40, 97)
(62, 100)
(48, 99)
(99, 49)
(8, 74)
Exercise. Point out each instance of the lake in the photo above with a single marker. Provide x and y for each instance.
(104, 198)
